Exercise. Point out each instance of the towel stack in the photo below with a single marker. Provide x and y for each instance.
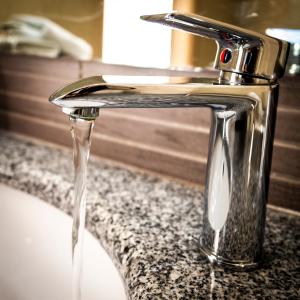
(33, 35)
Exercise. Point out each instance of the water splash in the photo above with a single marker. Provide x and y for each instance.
(81, 132)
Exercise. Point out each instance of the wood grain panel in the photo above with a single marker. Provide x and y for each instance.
(286, 159)
(288, 124)
(176, 138)
(284, 192)
(155, 159)
(39, 128)
(137, 154)
(31, 106)
(289, 92)
(58, 68)
(30, 84)
(186, 139)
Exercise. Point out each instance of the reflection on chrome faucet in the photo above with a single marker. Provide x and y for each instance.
(243, 102)
(212, 283)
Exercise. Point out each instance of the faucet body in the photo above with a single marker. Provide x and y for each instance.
(240, 149)
(239, 158)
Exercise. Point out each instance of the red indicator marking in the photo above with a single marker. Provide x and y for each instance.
(225, 56)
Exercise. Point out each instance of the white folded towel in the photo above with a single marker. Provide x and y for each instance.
(18, 44)
(38, 35)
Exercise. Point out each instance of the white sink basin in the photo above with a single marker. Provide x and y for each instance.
(35, 254)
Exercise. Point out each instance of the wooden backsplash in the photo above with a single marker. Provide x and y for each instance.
(168, 141)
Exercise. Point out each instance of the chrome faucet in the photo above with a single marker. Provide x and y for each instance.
(243, 100)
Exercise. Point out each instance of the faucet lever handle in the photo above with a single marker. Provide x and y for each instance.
(239, 50)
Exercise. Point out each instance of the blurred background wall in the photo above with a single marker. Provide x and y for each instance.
(85, 19)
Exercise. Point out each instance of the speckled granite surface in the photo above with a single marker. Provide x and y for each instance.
(150, 226)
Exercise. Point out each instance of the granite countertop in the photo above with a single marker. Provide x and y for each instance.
(150, 227)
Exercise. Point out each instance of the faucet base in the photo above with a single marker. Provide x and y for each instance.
(234, 265)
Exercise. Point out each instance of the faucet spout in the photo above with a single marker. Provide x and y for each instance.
(94, 92)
